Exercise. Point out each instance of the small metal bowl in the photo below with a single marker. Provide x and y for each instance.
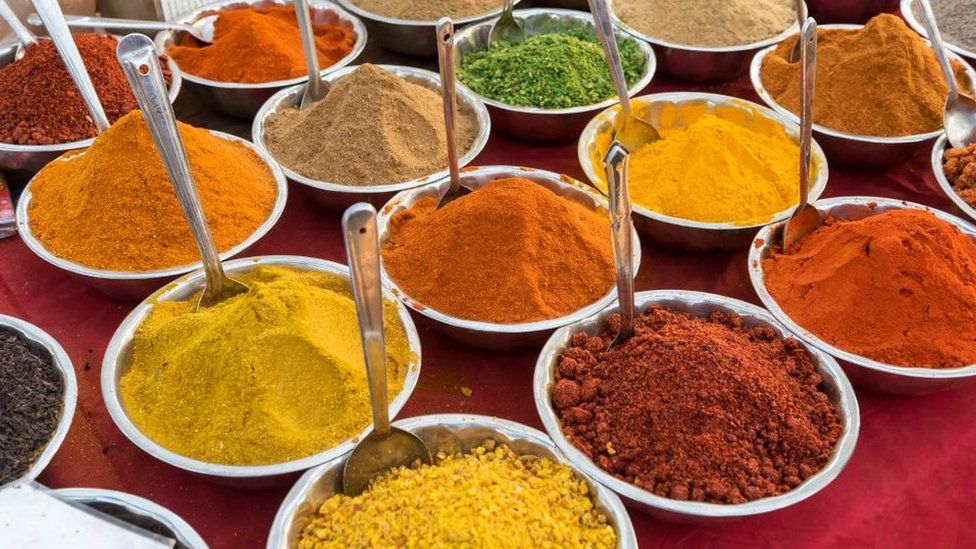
(545, 124)
(139, 512)
(703, 64)
(491, 335)
(674, 231)
(864, 372)
(47, 344)
(960, 206)
(338, 196)
(851, 149)
(133, 286)
(118, 359)
(908, 13)
(450, 433)
(243, 99)
(849, 11)
(698, 304)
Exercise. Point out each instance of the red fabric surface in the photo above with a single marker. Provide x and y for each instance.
(910, 482)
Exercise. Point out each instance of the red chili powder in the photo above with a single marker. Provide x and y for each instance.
(898, 287)
(697, 408)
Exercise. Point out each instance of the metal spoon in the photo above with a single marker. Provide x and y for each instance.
(506, 28)
(385, 447)
(139, 61)
(317, 88)
(445, 58)
(622, 236)
(24, 36)
(202, 29)
(801, 15)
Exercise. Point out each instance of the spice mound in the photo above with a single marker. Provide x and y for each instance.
(549, 71)
(898, 287)
(113, 206)
(511, 251)
(254, 45)
(698, 409)
(372, 128)
(428, 10)
(957, 21)
(489, 497)
(882, 80)
(271, 375)
(31, 395)
(960, 169)
(710, 23)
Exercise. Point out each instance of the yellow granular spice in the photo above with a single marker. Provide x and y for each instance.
(268, 376)
(490, 497)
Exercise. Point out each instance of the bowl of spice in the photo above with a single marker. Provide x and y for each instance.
(390, 122)
(547, 87)
(272, 381)
(879, 93)
(887, 287)
(711, 410)
(723, 168)
(954, 169)
(38, 392)
(957, 23)
(490, 477)
(257, 50)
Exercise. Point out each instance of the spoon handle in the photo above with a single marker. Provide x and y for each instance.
(445, 59)
(621, 233)
(89, 22)
(604, 30)
(935, 39)
(800, 7)
(308, 46)
(808, 77)
(363, 249)
(24, 36)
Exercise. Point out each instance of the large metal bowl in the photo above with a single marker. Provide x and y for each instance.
(852, 149)
(545, 124)
(698, 304)
(866, 373)
(849, 11)
(960, 206)
(244, 99)
(450, 433)
(491, 335)
(908, 12)
(674, 231)
(132, 286)
(118, 359)
(338, 196)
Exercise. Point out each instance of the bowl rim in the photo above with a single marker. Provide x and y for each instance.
(116, 408)
(370, 16)
(938, 149)
(908, 14)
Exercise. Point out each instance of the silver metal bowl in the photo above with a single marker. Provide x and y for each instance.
(118, 360)
(908, 12)
(545, 124)
(864, 372)
(491, 335)
(703, 64)
(852, 149)
(244, 99)
(38, 337)
(960, 206)
(698, 304)
(450, 433)
(338, 196)
(849, 11)
(144, 513)
(132, 286)
(674, 231)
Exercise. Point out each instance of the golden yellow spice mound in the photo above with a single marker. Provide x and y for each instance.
(490, 497)
(272, 375)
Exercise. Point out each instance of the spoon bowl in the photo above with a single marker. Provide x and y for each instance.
(25, 37)
(506, 28)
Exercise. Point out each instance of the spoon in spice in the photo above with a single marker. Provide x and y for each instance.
(139, 61)
(622, 236)
(316, 88)
(445, 58)
(800, 8)
(25, 37)
(506, 28)
(385, 447)
(202, 29)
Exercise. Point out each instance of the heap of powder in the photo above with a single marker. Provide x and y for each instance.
(390, 131)
(428, 10)
(489, 497)
(259, 45)
(898, 287)
(960, 170)
(271, 375)
(511, 251)
(113, 207)
(697, 409)
(957, 21)
(711, 23)
(882, 80)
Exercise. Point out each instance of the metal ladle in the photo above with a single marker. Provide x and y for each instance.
(801, 15)
(202, 29)
(506, 28)
(317, 88)
(622, 236)
(385, 447)
(139, 61)
(25, 37)
(445, 58)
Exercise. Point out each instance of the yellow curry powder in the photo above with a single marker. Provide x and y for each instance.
(268, 376)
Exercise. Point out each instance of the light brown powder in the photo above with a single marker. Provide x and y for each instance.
(427, 10)
(711, 23)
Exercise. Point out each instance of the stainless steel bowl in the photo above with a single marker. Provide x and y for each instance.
(849, 11)
(132, 286)
(450, 433)
(118, 360)
(852, 149)
(699, 304)
(545, 124)
(36, 336)
(674, 231)
(140, 511)
(908, 12)
(338, 196)
(864, 372)
(703, 64)
(244, 99)
(490, 335)
(960, 206)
